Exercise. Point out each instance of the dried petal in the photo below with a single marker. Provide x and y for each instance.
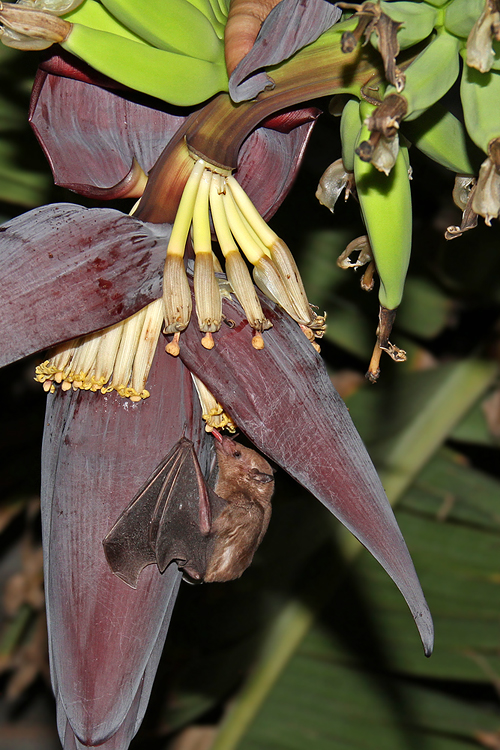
(385, 154)
(58, 7)
(373, 20)
(480, 52)
(333, 181)
(486, 199)
(461, 190)
(31, 24)
(361, 246)
(464, 190)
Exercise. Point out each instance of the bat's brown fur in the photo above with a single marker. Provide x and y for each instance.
(246, 483)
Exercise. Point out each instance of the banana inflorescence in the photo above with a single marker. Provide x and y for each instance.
(178, 56)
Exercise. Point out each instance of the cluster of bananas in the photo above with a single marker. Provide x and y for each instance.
(176, 56)
(406, 108)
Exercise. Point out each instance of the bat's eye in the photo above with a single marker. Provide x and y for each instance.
(237, 454)
(259, 476)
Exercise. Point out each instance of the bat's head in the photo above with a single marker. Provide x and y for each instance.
(244, 467)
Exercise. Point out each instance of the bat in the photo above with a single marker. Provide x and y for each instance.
(212, 534)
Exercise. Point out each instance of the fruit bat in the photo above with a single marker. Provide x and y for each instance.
(212, 534)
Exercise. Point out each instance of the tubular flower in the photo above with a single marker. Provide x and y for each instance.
(124, 289)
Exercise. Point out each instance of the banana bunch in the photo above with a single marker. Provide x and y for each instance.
(385, 201)
(451, 28)
(176, 55)
(406, 108)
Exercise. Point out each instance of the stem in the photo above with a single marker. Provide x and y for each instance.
(320, 69)
(217, 131)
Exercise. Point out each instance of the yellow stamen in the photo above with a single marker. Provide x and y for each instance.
(236, 268)
(281, 257)
(122, 370)
(118, 358)
(202, 239)
(177, 301)
(106, 356)
(150, 333)
(266, 275)
(251, 231)
(176, 292)
(83, 361)
(224, 236)
(269, 281)
(292, 281)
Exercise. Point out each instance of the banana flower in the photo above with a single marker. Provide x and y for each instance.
(80, 270)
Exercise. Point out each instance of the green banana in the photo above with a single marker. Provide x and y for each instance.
(442, 137)
(223, 6)
(461, 15)
(430, 75)
(436, 3)
(217, 20)
(95, 16)
(480, 94)
(175, 78)
(213, 9)
(386, 207)
(418, 18)
(180, 27)
(350, 125)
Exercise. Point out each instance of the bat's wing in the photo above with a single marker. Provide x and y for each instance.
(186, 509)
(169, 519)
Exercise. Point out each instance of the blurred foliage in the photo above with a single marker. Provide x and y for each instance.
(314, 647)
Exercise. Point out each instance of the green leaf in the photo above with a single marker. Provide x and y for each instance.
(424, 408)
(425, 311)
(360, 674)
